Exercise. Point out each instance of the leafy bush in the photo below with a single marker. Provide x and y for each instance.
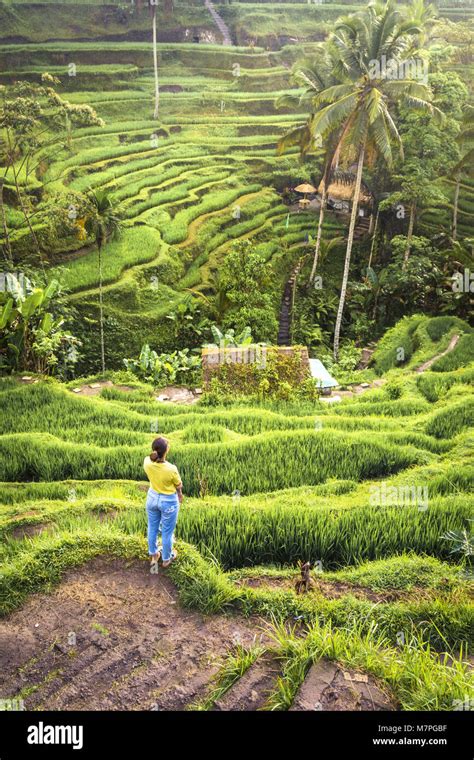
(165, 369)
(279, 376)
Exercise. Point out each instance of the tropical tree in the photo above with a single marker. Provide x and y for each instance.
(361, 110)
(217, 303)
(32, 119)
(104, 223)
(315, 76)
(466, 145)
(417, 190)
(153, 4)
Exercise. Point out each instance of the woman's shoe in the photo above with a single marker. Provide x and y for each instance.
(168, 562)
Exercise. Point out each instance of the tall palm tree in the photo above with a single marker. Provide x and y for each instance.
(153, 4)
(359, 110)
(315, 75)
(104, 224)
(466, 144)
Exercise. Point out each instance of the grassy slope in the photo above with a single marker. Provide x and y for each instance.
(364, 545)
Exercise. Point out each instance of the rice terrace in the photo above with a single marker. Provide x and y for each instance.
(237, 357)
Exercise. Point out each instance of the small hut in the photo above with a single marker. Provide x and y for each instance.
(340, 193)
(305, 188)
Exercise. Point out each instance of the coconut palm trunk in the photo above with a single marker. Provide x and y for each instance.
(7, 246)
(350, 240)
(411, 225)
(101, 309)
(374, 238)
(320, 230)
(456, 206)
(155, 65)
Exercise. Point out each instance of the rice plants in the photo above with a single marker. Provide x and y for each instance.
(458, 357)
(448, 422)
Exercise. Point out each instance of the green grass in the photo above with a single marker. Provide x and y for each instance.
(413, 678)
(462, 353)
(135, 245)
(417, 339)
(265, 485)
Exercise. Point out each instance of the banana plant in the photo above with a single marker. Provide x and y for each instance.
(229, 338)
(21, 316)
(163, 369)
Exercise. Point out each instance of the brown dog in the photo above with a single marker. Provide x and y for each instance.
(305, 583)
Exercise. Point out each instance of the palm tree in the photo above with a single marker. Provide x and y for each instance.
(316, 75)
(465, 140)
(153, 4)
(103, 223)
(359, 110)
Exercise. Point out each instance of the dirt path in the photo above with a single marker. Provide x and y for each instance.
(135, 647)
(113, 636)
(426, 365)
(251, 691)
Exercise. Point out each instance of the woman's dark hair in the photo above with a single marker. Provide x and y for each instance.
(159, 449)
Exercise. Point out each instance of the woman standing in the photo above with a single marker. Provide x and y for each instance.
(163, 499)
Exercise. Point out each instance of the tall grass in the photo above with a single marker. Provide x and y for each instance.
(241, 536)
(266, 462)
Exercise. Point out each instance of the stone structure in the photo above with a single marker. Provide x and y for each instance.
(215, 357)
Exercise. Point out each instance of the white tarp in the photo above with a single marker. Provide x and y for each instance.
(320, 373)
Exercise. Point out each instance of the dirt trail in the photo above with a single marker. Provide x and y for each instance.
(113, 636)
(135, 647)
(426, 365)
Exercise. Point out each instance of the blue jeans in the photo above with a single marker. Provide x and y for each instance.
(162, 510)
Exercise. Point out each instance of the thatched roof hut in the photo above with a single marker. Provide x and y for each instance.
(344, 191)
(305, 188)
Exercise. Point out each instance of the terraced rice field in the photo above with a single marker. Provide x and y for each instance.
(370, 490)
(366, 490)
(190, 185)
(203, 176)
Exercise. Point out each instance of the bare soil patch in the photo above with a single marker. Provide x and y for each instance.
(177, 395)
(329, 686)
(113, 636)
(251, 692)
(28, 530)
